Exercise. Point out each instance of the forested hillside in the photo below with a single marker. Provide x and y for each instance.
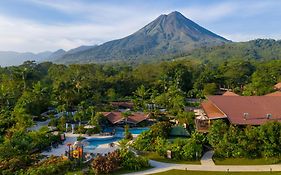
(260, 49)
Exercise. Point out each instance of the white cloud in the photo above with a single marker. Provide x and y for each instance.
(104, 22)
(23, 35)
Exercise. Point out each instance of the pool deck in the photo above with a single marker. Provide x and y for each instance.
(71, 138)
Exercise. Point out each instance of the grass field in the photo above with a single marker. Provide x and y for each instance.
(243, 161)
(156, 157)
(182, 172)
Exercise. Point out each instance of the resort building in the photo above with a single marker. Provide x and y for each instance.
(118, 118)
(239, 110)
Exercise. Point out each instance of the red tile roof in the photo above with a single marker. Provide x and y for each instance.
(276, 94)
(229, 93)
(115, 117)
(211, 110)
(122, 104)
(256, 107)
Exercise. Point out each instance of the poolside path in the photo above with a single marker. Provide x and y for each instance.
(207, 164)
(71, 138)
(60, 150)
(207, 160)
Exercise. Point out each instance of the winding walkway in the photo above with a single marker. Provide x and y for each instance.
(207, 164)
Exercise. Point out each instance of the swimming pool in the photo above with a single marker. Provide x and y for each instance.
(92, 143)
(120, 131)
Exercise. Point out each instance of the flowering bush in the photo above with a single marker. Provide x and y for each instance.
(120, 159)
(106, 164)
(50, 166)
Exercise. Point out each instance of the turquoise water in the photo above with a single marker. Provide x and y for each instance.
(119, 133)
(132, 130)
(94, 142)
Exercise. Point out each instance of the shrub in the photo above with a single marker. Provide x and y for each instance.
(106, 164)
(176, 148)
(161, 129)
(146, 140)
(161, 146)
(130, 161)
(192, 150)
(249, 142)
(50, 166)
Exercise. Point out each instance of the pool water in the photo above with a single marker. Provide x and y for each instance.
(132, 130)
(119, 134)
(94, 142)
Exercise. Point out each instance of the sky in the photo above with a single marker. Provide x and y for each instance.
(41, 25)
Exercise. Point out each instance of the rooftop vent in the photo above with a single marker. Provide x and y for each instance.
(246, 115)
(268, 116)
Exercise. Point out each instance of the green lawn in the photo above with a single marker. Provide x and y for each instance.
(182, 172)
(244, 161)
(122, 171)
(156, 157)
(75, 173)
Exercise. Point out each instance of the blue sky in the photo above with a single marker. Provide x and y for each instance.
(40, 25)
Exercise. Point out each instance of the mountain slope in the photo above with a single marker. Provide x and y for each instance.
(56, 55)
(61, 53)
(8, 58)
(259, 49)
(167, 35)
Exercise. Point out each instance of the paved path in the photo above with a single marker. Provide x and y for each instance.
(207, 160)
(39, 125)
(60, 150)
(207, 164)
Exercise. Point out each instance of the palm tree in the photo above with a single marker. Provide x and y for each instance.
(126, 115)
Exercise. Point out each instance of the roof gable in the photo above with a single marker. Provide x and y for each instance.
(115, 117)
(211, 110)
